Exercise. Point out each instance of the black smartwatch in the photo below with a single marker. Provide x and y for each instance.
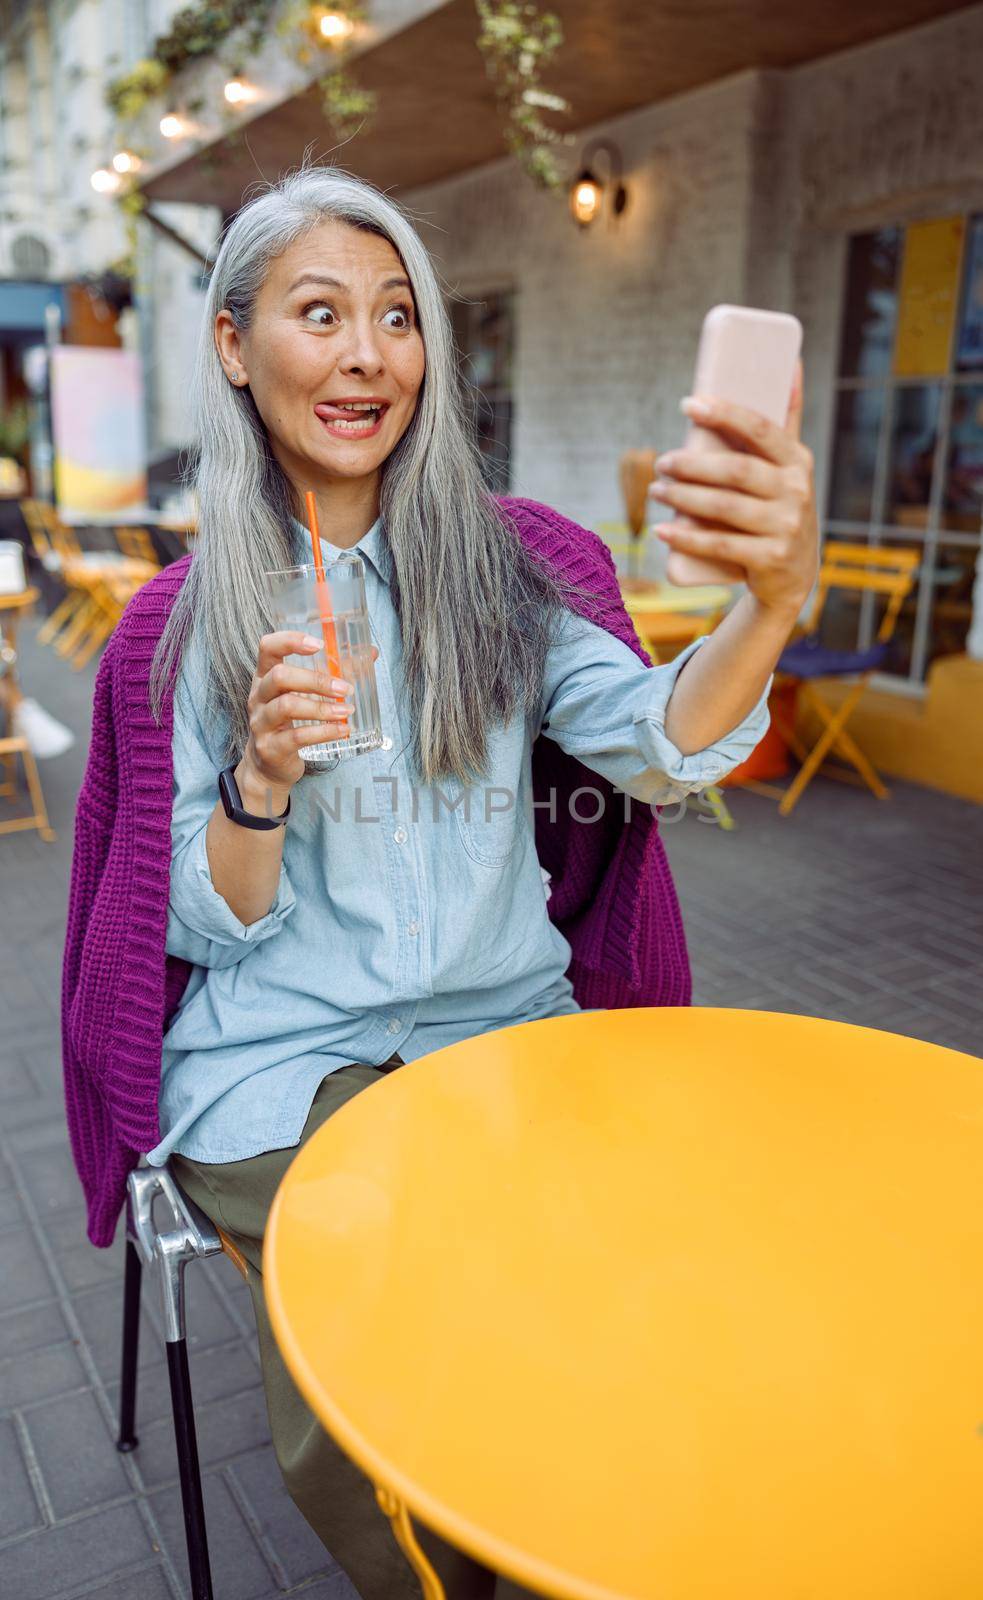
(232, 802)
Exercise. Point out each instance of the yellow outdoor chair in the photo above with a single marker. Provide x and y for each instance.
(98, 583)
(137, 543)
(37, 518)
(860, 568)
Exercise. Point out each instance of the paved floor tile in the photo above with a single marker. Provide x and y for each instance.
(140, 1583)
(35, 1375)
(22, 1273)
(226, 1429)
(238, 1568)
(59, 1560)
(78, 1462)
(19, 1509)
(297, 1546)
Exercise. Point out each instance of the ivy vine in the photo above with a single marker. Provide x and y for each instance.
(517, 41)
(515, 38)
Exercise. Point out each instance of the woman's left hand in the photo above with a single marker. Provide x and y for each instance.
(755, 507)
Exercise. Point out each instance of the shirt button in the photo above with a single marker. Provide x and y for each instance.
(400, 836)
(394, 1026)
(414, 927)
(387, 743)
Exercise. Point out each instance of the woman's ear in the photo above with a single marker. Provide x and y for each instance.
(229, 347)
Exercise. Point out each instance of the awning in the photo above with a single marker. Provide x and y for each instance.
(437, 112)
(23, 307)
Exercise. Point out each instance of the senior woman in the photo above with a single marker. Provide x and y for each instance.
(324, 953)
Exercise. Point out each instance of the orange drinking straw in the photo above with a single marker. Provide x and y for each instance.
(331, 651)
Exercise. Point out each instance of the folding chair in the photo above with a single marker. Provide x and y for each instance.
(137, 544)
(861, 568)
(189, 1236)
(98, 582)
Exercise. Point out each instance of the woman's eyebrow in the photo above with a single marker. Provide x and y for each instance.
(336, 283)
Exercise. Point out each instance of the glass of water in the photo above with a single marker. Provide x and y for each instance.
(294, 593)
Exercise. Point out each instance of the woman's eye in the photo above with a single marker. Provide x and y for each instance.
(401, 311)
(319, 314)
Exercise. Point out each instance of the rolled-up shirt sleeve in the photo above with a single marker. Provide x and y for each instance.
(604, 706)
(201, 926)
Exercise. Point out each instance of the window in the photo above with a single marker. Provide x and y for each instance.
(483, 330)
(907, 459)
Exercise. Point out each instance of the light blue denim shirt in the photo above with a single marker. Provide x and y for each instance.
(400, 922)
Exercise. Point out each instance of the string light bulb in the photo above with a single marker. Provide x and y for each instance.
(105, 181)
(171, 126)
(335, 26)
(125, 161)
(237, 92)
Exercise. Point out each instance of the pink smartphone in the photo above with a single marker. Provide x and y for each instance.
(747, 357)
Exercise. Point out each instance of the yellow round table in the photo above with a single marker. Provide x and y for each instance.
(666, 614)
(657, 1304)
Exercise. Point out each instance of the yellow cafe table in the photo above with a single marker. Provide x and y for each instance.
(661, 1304)
(668, 616)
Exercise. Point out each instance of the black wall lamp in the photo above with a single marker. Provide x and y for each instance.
(587, 190)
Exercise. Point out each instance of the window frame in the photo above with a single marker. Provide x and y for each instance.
(877, 530)
(496, 397)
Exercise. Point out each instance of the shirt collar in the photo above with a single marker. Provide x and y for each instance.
(373, 547)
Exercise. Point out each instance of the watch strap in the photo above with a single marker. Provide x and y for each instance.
(236, 812)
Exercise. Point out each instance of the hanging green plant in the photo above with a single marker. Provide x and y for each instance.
(347, 106)
(517, 41)
(132, 204)
(317, 31)
(127, 96)
(195, 31)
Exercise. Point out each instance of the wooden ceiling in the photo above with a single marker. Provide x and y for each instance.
(437, 114)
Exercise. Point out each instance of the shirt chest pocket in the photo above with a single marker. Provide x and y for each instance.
(488, 814)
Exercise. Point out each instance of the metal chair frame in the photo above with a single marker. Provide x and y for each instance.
(885, 570)
(190, 1237)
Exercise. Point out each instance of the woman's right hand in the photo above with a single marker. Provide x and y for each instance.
(281, 694)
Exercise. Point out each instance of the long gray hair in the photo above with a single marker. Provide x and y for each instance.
(477, 611)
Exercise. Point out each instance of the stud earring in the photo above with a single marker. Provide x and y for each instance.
(234, 376)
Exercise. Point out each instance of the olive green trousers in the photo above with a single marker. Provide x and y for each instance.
(334, 1495)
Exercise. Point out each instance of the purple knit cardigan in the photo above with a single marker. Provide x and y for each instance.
(612, 894)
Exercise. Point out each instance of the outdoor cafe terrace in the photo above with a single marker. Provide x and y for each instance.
(862, 910)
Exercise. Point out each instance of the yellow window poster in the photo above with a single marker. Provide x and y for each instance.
(928, 297)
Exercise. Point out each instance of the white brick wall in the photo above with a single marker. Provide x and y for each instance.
(607, 318)
(745, 191)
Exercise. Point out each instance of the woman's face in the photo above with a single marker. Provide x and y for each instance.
(334, 327)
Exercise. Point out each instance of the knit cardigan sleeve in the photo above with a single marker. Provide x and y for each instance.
(89, 1119)
(117, 984)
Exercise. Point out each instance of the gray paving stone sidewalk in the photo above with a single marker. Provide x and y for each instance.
(864, 911)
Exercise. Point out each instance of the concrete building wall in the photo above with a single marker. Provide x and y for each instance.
(55, 130)
(607, 317)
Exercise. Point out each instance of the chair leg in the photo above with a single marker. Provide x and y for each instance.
(186, 1439)
(131, 1338)
(63, 610)
(805, 774)
(37, 796)
(845, 743)
(98, 634)
(174, 1251)
(77, 627)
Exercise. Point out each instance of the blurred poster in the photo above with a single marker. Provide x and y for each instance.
(97, 421)
(927, 299)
